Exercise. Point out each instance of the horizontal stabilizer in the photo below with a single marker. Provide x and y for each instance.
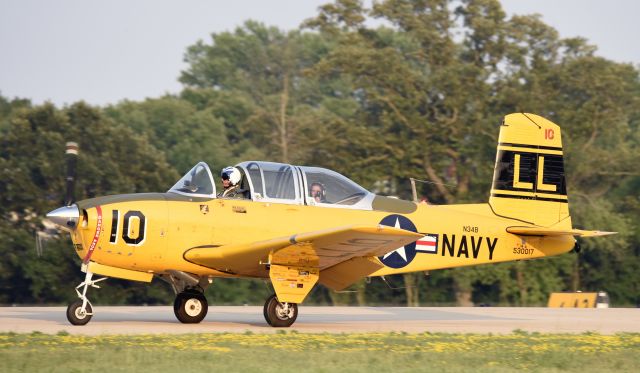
(539, 231)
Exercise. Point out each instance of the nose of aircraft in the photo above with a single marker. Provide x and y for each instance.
(65, 217)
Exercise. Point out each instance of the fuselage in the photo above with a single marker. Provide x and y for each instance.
(151, 232)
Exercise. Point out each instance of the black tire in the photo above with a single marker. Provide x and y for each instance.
(190, 307)
(76, 317)
(273, 313)
(264, 309)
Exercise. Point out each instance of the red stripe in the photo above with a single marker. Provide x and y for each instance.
(426, 243)
(96, 236)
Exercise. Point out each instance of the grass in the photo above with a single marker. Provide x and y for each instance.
(380, 352)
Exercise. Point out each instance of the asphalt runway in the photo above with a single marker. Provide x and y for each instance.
(156, 320)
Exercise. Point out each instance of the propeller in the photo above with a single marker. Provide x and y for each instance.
(65, 217)
(71, 160)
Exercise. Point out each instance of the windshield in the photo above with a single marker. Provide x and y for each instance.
(197, 182)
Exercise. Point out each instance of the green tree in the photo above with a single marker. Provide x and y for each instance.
(261, 70)
(185, 133)
(113, 159)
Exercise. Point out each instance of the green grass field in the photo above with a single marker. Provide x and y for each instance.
(287, 351)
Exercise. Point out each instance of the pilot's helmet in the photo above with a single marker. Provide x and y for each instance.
(232, 174)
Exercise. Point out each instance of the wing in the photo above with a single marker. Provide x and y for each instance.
(536, 231)
(319, 249)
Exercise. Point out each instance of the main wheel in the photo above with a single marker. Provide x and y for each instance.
(190, 307)
(76, 316)
(280, 315)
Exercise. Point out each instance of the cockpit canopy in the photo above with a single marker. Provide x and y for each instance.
(281, 183)
(334, 188)
(285, 183)
(198, 182)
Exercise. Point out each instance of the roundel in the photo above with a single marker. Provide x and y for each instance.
(402, 255)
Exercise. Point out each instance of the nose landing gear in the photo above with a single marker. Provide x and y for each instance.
(279, 314)
(81, 311)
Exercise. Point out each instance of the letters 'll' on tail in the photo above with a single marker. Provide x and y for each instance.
(528, 180)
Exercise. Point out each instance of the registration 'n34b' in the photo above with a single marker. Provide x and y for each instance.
(299, 226)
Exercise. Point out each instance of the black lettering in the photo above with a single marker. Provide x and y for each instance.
(125, 228)
(504, 175)
(448, 245)
(475, 247)
(115, 221)
(492, 246)
(463, 243)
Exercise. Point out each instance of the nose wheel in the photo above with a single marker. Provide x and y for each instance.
(190, 307)
(280, 314)
(77, 315)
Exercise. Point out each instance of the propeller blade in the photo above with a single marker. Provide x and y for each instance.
(71, 159)
(40, 243)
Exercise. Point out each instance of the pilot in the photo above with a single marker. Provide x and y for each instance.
(231, 178)
(318, 193)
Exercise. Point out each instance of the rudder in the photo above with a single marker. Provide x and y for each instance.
(528, 182)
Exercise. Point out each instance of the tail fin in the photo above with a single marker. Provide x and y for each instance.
(528, 180)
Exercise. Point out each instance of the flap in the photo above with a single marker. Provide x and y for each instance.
(321, 249)
(539, 231)
(343, 275)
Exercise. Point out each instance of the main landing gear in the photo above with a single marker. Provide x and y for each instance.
(190, 306)
(80, 311)
(280, 314)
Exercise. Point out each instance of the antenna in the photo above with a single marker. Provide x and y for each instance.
(415, 192)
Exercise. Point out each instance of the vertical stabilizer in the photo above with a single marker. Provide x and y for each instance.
(528, 180)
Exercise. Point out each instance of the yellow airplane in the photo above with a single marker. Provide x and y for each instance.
(299, 226)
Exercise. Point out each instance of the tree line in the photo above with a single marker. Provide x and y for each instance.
(418, 93)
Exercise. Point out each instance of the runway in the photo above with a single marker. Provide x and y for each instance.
(157, 320)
